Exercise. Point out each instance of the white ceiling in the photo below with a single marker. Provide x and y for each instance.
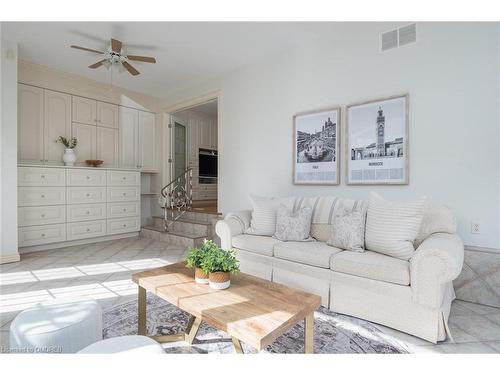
(187, 53)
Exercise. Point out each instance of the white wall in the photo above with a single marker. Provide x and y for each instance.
(452, 76)
(8, 155)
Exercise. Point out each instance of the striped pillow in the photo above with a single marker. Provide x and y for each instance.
(264, 214)
(391, 227)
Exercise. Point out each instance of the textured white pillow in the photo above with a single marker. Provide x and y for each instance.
(264, 212)
(391, 227)
(348, 229)
(437, 219)
(293, 225)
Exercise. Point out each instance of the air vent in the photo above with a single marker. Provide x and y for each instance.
(407, 34)
(389, 40)
(398, 37)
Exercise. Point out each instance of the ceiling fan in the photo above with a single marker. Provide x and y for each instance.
(115, 55)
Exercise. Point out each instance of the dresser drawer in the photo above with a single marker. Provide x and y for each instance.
(83, 212)
(40, 196)
(124, 209)
(123, 194)
(31, 176)
(116, 226)
(41, 215)
(117, 178)
(86, 229)
(41, 234)
(85, 177)
(77, 195)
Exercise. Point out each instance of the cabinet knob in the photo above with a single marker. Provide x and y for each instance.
(43, 215)
(124, 225)
(43, 176)
(88, 229)
(43, 195)
(88, 195)
(88, 212)
(124, 210)
(88, 177)
(124, 194)
(124, 178)
(43, 234)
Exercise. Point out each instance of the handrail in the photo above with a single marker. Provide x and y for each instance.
(178, 195)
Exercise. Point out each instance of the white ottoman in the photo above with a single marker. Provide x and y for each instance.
(56, 327)
(125, 345)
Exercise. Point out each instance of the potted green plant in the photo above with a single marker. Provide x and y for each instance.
(69, 156)
(219, 264)
(195, 258)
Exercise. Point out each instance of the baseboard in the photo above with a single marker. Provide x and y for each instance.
(9, 258)
(58, 245)
(490, 250)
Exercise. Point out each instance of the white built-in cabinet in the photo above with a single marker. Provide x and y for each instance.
(43, 116)
(202, 133)
(120, 136)
(137, 138)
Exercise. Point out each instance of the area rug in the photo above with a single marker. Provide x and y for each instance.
(333, 333)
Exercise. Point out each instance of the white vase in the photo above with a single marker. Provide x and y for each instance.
(69, 157)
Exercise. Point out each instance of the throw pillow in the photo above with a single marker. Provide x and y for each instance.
(293, 226)
(348, 229)
(263, 222)
(391, 227)
(437, 219)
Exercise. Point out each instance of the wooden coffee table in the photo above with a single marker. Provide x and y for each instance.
(252, 310)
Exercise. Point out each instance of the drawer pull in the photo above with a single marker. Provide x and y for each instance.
(43, 196)
(88, 212)
(43, 234)
(124, 225)
(43, 176)
(124, 210)
(88, 229)
(124, 194)
(88, 177)
(88, 195)
(43, 215)
(124, 178)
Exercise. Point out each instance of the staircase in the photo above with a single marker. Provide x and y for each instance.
(181, 224)
(189, 230)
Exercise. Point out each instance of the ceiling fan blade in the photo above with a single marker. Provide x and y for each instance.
(87, 49)
(142, 58)
(97, 64)
(116, 45)
(130, 68)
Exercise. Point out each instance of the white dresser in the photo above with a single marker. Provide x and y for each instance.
(62, 206)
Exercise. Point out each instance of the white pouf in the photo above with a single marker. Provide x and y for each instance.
(125, 345)
(56, 327)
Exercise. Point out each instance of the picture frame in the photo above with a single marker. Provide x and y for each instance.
(316, 147)
(377, 141)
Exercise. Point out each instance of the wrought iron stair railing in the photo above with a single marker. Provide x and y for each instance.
(177, 197)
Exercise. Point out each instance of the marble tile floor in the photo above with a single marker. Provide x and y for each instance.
(102, 271)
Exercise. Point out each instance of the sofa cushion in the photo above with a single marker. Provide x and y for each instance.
(437, 219)
(391, 227)
(373, 266)
(316, 254)
(256, 244)
(263, 222)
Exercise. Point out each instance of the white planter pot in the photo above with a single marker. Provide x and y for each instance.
(219, 286)
(69, 157)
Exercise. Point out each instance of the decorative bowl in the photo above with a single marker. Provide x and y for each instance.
(94, 163)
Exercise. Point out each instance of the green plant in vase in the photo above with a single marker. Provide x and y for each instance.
(219, 264)
(195, 258)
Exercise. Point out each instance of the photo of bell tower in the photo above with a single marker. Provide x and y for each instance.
(380, 132)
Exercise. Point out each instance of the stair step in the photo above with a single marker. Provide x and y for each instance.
(182, 225)
(173, 237)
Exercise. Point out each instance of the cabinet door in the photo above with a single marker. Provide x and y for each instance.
(107, 146)
(147, 141)
(30, 124)
(107, 115)
(203, 134)
(129, 120)
(57, 115)
(213, 134)
(84, 110)
(192, 143)
(86, 136)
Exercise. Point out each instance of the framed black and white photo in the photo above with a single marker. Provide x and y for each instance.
(316, 147)
(377, 142)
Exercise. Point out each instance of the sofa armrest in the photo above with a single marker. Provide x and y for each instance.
(232, 225)
(437, 261)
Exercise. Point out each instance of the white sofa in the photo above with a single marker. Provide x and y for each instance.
(412, 296)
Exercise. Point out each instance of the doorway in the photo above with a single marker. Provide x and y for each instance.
(195, 145)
